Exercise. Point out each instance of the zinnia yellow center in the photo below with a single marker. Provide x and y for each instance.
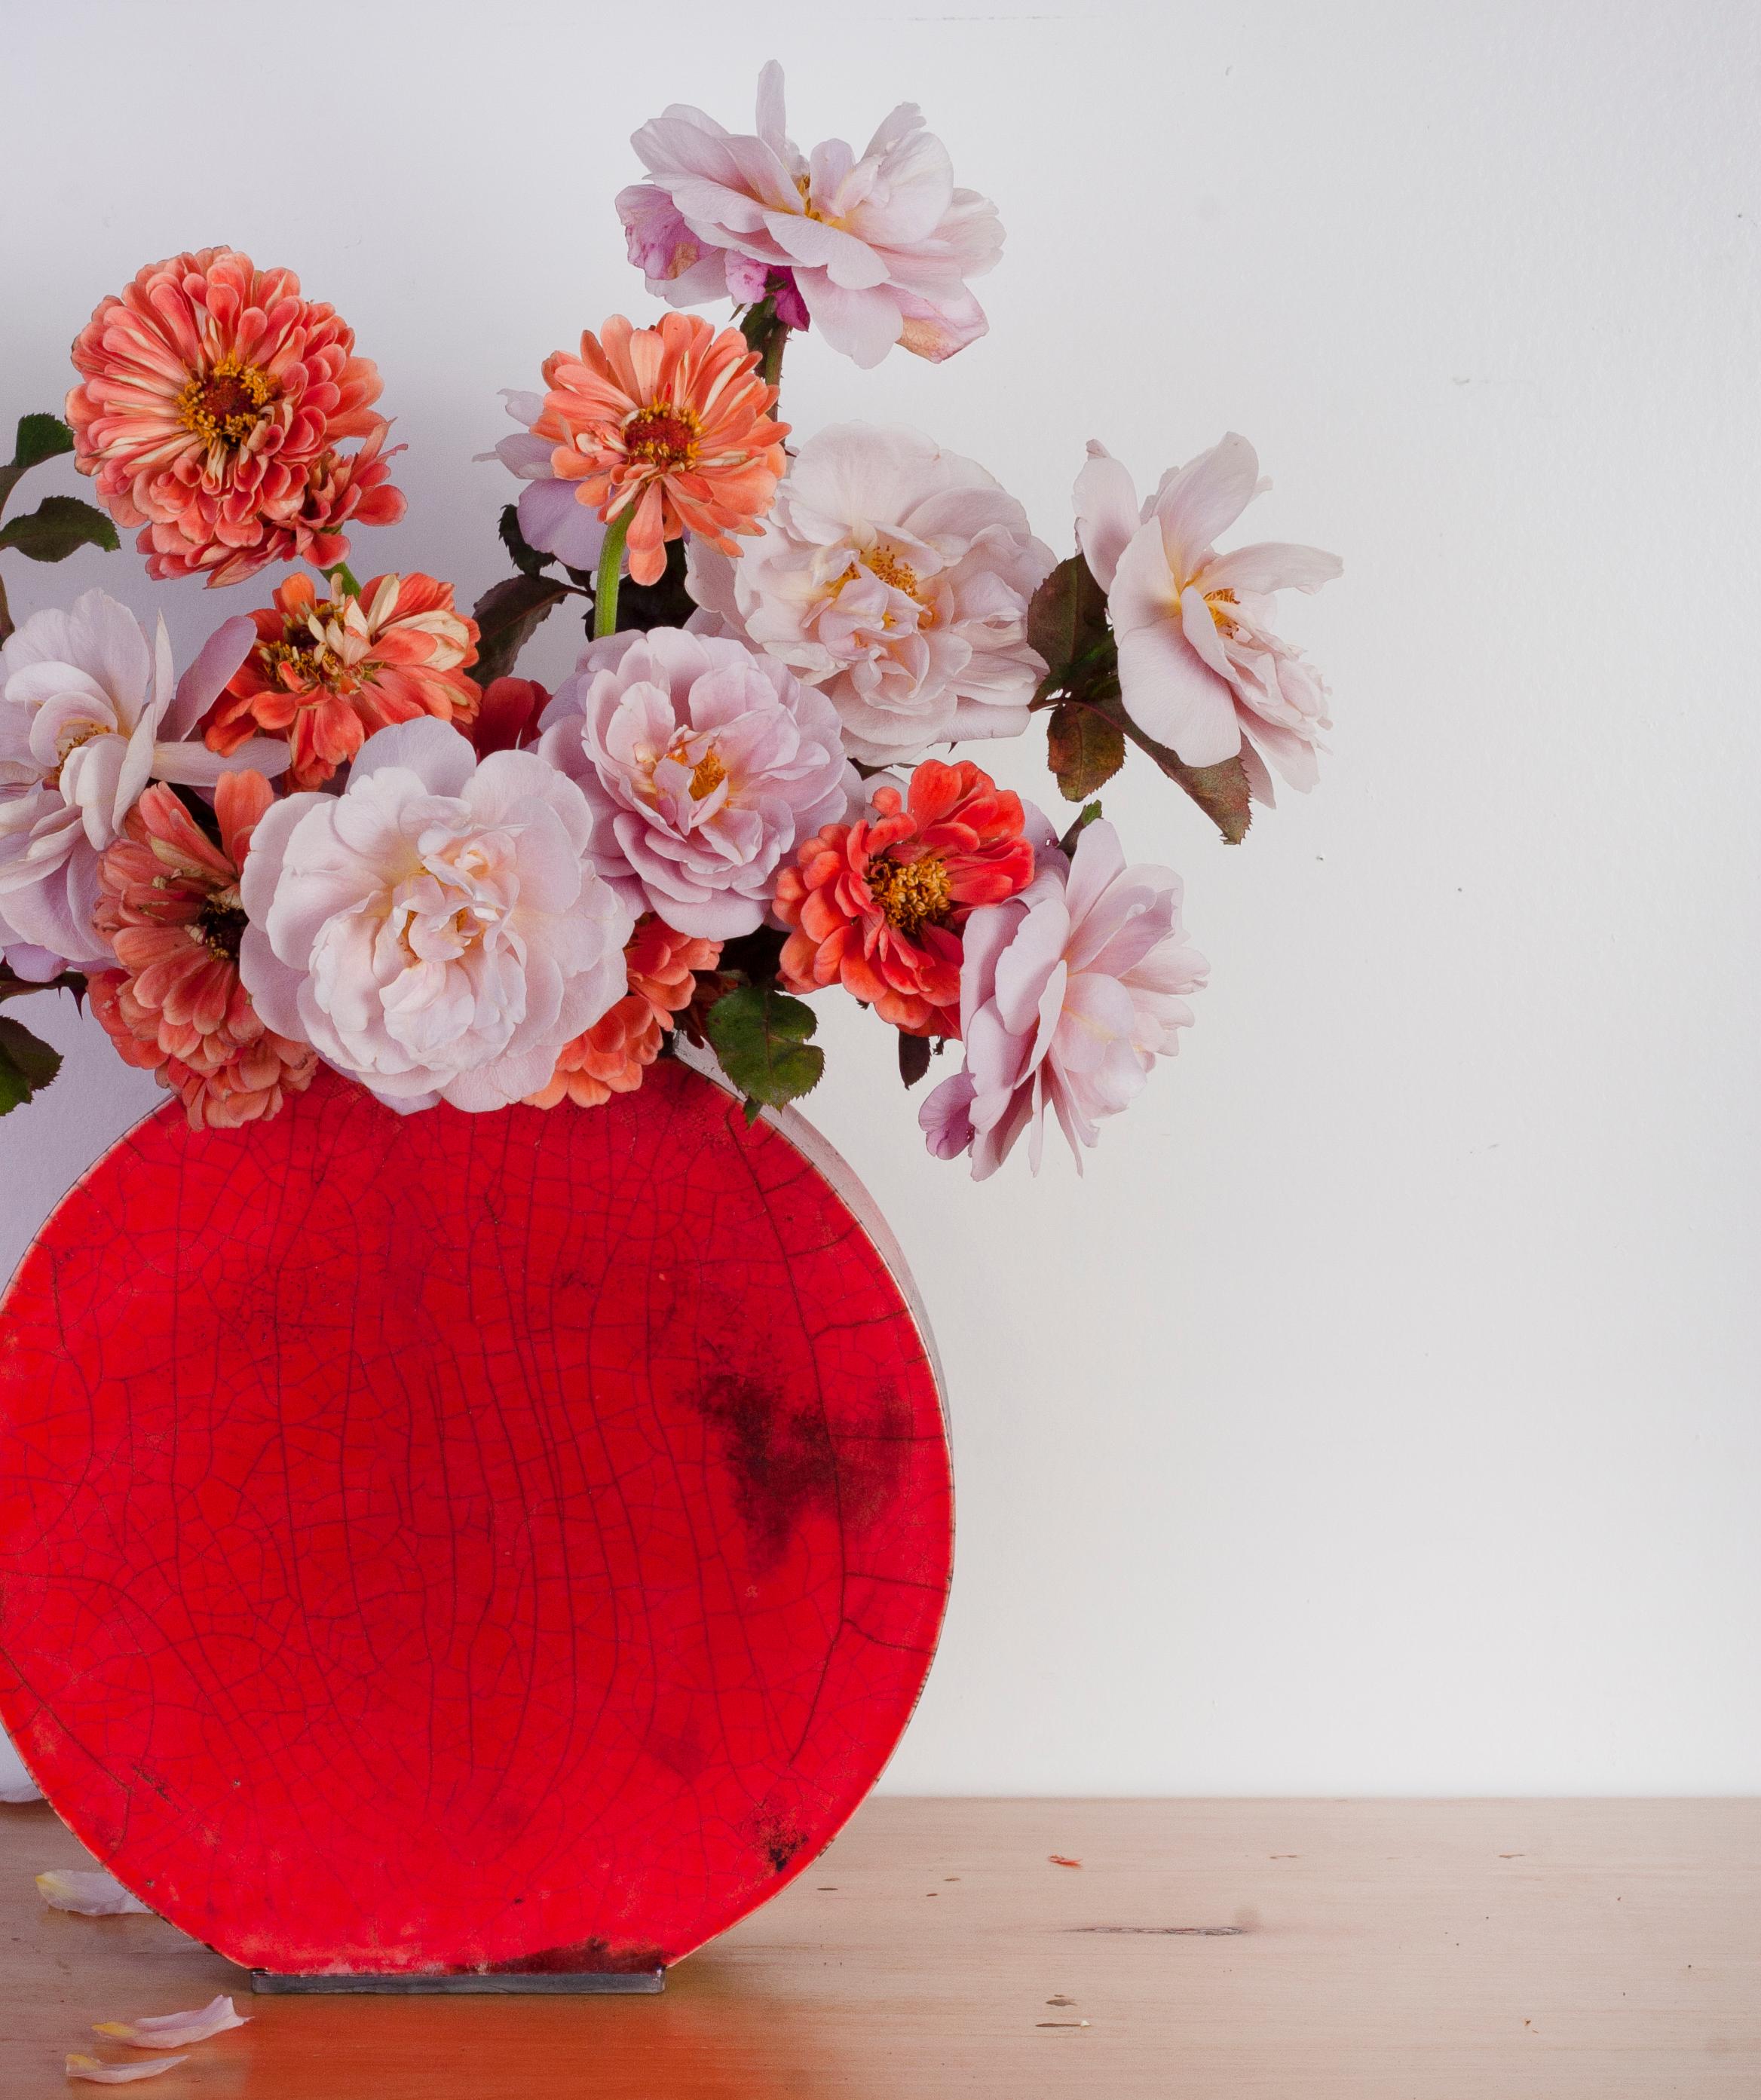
(224, 406)
(911, 893)
(662, 437)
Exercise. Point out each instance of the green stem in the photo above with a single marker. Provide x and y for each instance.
(606, 582)
(341, 578)
(770, 358)
(5, 614)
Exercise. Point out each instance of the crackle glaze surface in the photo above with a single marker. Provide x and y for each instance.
(453, 1540)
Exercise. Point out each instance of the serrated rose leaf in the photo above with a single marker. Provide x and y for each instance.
(40, 438)
(1083, 749)
(175, 2029)
(913, 1057)
(27, 1064)
(507, 615)
(95, 2073)
(90, 1894)
(527, 559)
(1220, 791)
(1067, 618)
(58, 525)
(761, 1037)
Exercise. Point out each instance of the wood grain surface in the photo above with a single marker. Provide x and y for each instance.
(1215, 1950)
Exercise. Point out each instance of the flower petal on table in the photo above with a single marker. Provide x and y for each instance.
(91, 1894)
(95, 2073)
(173, 2030)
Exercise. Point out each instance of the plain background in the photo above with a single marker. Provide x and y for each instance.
(1377, 1415)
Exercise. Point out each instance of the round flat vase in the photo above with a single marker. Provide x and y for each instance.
(459, 1543)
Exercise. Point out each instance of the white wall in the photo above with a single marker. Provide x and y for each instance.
(1378, 1415)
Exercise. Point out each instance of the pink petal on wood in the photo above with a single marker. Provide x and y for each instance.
(173, 2030)
(95, 2073)
(90, 1894)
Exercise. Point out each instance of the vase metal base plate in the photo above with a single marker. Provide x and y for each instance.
(500, 1982)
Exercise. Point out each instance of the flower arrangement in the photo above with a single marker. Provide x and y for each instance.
(350, 832)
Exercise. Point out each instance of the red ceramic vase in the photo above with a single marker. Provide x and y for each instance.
(488, 1544)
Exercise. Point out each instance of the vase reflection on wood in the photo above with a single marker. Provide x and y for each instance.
(464, 1546)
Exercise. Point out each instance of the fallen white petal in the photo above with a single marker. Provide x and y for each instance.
(118, 2074)
(92, 1894)
(173, 2030)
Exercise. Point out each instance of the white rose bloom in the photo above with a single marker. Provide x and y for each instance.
(436, 930)
(896, 577)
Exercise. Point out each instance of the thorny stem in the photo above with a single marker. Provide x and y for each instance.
(606, 582)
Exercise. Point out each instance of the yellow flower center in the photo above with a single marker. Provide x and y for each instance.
(809, 209)
(664, 437)
(1215, 601)
(911, 893)
(224, 406)
(707, 775)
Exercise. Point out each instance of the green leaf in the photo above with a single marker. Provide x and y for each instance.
(41, 438)
(760, 1036)
(1085, 750)
(508, 615)
(527, 560)
(913, 1057)
(1220, 791)
(1067, 622)
(26, 1065)
(56, 527)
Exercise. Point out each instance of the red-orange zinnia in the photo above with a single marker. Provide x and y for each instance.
(614, 1054)
(672, 424)
(212, 400)
(877, 906)
(326, 673)
(169, 904)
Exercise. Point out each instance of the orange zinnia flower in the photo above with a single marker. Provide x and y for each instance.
(670, 423)
(877, 906)
(168, 902)
(612, 1055)
(213, 396)
(327, 672)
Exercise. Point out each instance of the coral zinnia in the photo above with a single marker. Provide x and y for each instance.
(168, 903)
(878, 904)
(213, 400)
(670, 423)
(614, 1054)
(327, 672)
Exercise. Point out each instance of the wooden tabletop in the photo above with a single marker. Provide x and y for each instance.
(1213, 1950)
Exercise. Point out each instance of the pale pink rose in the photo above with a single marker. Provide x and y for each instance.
(550, 517)
(878, 248)
(436, 930)
(679, 267)
(89, 715)
(1200, 669)
(896, 577)
(1069, 994)
(704, 766)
